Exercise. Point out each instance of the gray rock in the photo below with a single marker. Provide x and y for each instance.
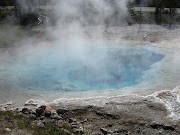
(44, 122)
(155, 125)
(168, 127)
(25, 110)
(52, 121)
(104, 131)
(32, 112)
(40, 124)
(110, 125)
(43, 107)
(41, 118)
(74, 126)
(58, 118)
(32, 116)
(62, 111)
(85, 120)
(47, 114)
(39, 112)
(34, 123)
(71, 120)
(8, 130)
(78, 131)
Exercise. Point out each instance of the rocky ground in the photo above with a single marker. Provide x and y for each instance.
(136, 116)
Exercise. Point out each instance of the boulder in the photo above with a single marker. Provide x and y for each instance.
(25, 110)
(39, 112)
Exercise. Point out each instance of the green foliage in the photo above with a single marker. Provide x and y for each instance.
(6, 12)
(25, 124)
(7, 2)
(153, 3)
(47, 130)
(10, 115)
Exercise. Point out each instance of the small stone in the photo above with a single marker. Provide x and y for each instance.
(53, 120)
(8, 130)
(43, 107)
(41, 118)
(34, 123)
(25, 110)
(85, 120)
(32, 112)
(58, 118)
(32, 116)
(62, 111)
(78, 131)
(167, 127)
(104, 131)
(44, 122)
(71, 120)
(40, 124)
(160, 131)
(17, 110)
(73, 123)
(47, 114)
(155, 125)
(74, 126)
(110, 125)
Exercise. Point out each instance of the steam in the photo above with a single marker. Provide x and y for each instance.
(80, 13)
(72, 39)
(74, 19)
(28, 6)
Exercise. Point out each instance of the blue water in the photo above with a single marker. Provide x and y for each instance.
(58, 68)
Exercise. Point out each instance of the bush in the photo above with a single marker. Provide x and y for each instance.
(29, 19)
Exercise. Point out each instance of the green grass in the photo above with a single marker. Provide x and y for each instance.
(10, 115)
(24, 122)
(6, 12)
(47, 130)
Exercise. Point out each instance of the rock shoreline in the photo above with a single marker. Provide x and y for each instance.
(143, 116)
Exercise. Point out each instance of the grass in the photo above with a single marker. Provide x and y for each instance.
(22, 122)
(47, 130)
(6, 12)
(10, 115)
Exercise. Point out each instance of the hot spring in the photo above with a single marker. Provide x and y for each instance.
(67, 69)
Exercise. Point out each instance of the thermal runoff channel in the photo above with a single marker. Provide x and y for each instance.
(64, 69)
